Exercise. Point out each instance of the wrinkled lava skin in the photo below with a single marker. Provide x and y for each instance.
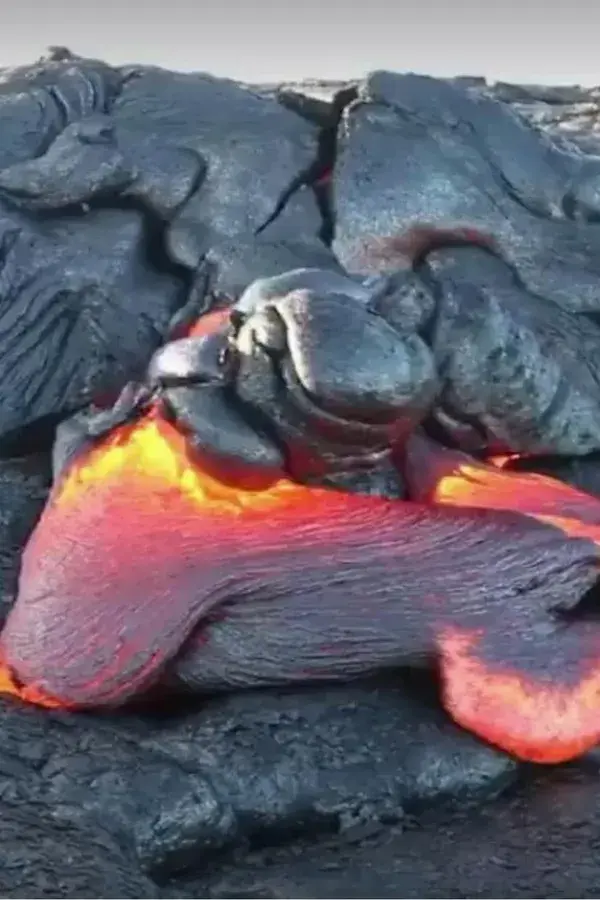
(113, 188)
(143, 567)
(452, 478)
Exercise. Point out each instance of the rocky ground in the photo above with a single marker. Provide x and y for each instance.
(131, 199)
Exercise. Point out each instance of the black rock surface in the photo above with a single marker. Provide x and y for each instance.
(133, 199)
(417, 150)
(24, 487)
(524, 369)
(119, 191)
(539, 840)
(142, 798)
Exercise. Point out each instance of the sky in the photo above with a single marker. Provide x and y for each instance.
(542, 41)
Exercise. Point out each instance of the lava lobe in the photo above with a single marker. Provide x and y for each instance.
(144, 568)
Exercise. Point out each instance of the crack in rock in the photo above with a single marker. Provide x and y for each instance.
(131, 196)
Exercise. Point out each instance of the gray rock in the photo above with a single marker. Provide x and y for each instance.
(419, 151)
(24, 487)
(259, 767)
(250, 197)
(525, 370)
(116, 199)
(81, 311)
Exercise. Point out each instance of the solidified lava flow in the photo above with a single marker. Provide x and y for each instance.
(144, 564)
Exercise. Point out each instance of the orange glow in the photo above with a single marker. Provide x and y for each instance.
(115, 455)
(156, 452)
(137, 495)
(106, 597)
(533, 718)
(129, 515)
(461, 481)
(209, 323)
(26, 693)
(501, 461)
(206, 324)
(139, 544)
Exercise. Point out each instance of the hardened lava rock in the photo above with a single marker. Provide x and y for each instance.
(332, 380)
(521, 369)
(24, 487)
(343, 369)
(417, 150)
(136, 800)
(81, 311)
(39, 101)
(248, 215)
(120, 191)
(131, 200)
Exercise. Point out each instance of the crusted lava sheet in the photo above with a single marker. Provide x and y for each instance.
(144, 567)
(132, 801)
(414, 149)
(117, 185)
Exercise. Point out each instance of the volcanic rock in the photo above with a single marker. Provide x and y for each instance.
(114, 189)
(522, 368)
(39, 101)
(24, 487)
(132, 200)
(142, 798)
(343, 369)
(416, 150)
(525, 844)
(81, 311)
(250, 213)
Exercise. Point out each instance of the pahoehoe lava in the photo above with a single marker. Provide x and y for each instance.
(274, 416)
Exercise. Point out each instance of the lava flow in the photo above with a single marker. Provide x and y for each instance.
(486, 696)
(123, 510)
(142, 562)
(148, 567)
(439, 475)
(208, 323)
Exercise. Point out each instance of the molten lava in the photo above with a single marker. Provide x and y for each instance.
(555, 722)
(438, 475)
(146, 568)
(543, 716)
(209, 323)
(141, 484)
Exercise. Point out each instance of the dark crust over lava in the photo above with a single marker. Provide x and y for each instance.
(123, 807)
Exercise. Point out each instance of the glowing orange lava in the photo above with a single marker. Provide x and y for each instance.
(126, 518)
(138, 545)
(501, 461)
(535, 719)
(155, 452)
(451, 478)
(209, 323)
(28, 693)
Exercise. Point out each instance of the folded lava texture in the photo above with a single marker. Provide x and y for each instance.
(267, 587)
(300, 385)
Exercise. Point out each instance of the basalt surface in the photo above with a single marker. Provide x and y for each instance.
(133, 200)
